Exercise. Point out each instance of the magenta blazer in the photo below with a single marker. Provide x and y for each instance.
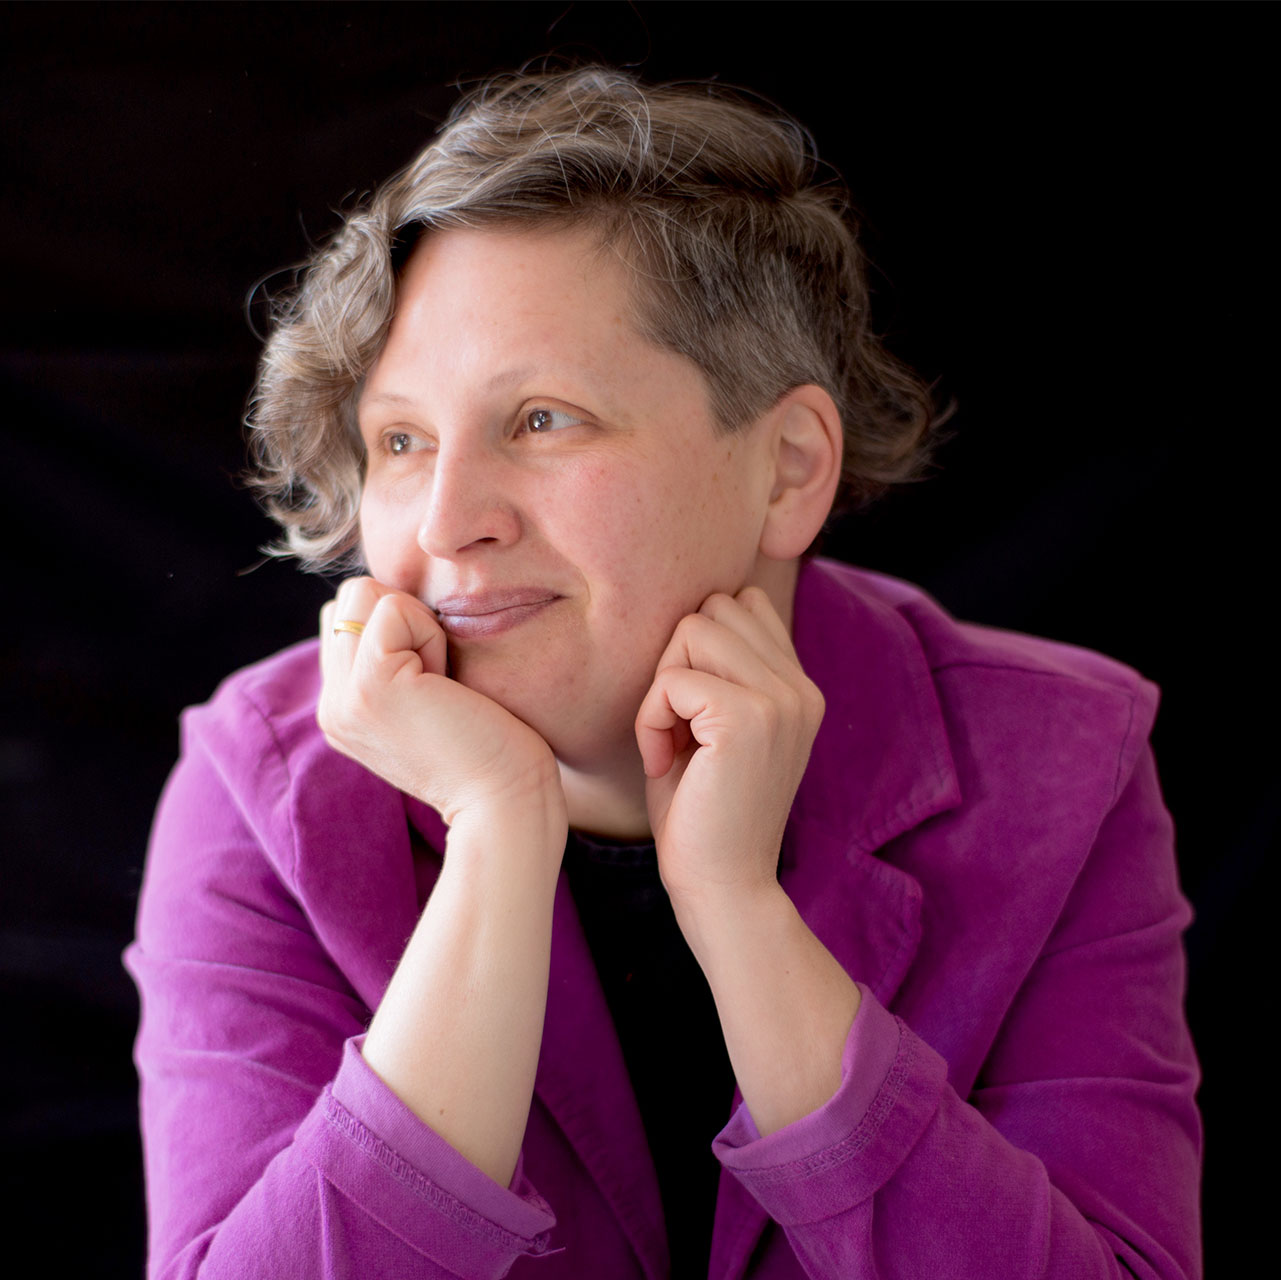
(980, 841)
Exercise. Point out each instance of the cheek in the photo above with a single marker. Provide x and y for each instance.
(388, 538)
(626, 522)
(654, 543)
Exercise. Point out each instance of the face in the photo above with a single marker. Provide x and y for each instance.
(548, 481)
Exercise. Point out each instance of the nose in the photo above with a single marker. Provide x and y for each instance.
(470, 503)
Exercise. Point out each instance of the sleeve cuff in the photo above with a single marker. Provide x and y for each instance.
(371, 1147)
(843, 1153)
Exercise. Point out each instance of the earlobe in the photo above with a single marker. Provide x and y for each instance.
(807, 470)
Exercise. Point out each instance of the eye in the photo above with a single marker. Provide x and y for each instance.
(540, 421)
(399, 442)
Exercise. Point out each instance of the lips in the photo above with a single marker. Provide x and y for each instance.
(487, 613)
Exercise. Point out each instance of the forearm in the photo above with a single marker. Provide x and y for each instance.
(785, 1004)
(457, 1034)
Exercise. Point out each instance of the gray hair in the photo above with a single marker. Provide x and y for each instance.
(743, 261)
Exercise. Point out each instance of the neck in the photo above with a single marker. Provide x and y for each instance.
(608, 801)
(777, 578)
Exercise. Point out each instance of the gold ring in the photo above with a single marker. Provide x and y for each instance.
(348, 624)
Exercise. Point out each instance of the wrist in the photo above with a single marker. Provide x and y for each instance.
(518, 834)
(532, 797)
(722, 923)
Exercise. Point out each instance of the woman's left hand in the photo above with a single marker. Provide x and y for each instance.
(725, 732)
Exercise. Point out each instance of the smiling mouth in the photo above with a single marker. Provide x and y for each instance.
(467, 617)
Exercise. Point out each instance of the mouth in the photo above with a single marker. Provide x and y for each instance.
(488, 613)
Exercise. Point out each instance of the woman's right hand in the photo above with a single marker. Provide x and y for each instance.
(474, 974)
(387, 703)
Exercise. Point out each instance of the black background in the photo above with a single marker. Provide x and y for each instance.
(1065, 206)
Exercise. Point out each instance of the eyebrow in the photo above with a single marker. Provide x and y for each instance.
(507, 378)
(386, 397)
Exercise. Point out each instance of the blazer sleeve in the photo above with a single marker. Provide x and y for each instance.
(272, 1150)
(1077, 1153)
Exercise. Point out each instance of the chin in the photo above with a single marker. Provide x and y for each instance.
(584, 731)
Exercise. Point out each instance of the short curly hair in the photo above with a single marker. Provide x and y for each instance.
(743, 261)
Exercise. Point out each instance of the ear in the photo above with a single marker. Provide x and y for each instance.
(808, 447)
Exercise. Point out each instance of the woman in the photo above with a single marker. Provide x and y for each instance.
(612, 819)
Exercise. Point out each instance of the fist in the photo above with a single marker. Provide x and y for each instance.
(387, 702)
(725, 733)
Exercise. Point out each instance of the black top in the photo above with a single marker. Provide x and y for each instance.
(668, 1028)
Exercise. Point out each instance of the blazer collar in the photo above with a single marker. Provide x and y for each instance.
(881, 761)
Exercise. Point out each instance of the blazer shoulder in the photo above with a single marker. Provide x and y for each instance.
(949, 643)
(273, 699)
(1032, 688)
(257, 750)
(258, 736)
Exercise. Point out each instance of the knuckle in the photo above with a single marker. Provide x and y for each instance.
(692, 630)
(791, 702)
(763, 710)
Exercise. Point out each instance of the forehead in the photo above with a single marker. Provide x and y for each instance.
(554, 272)
(497, 307)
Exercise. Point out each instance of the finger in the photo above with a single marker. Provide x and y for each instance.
(752, 616)
(399, 626)
(761, 607)
(353, 604)
(740, 654)
(357, 597)
(662, 739)
(684, 706)
(656, 727)
(716, 711)
(329, 618)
